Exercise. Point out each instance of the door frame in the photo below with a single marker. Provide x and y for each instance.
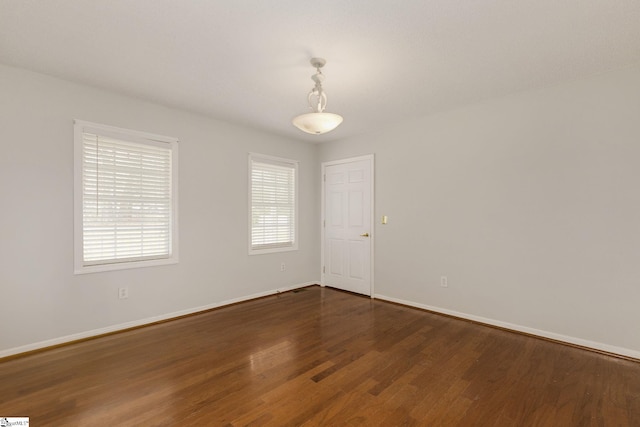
(371, 159)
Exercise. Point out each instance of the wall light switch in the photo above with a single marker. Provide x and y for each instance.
(384, 219)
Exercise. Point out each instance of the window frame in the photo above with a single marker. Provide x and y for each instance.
(263, 158)
(132, 136)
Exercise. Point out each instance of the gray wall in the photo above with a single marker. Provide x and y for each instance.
(530, 204)
(43, 302)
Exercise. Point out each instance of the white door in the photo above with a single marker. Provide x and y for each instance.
(347, 237)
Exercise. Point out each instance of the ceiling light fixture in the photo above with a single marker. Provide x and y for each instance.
(318, 121)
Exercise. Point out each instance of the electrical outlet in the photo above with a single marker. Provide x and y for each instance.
(444, 282)
(283, 267)
(123, 293)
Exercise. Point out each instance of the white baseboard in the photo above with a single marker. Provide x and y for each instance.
(142, 322)
(545, 334)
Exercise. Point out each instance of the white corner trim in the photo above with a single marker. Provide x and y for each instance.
(142, 322)
(537, 332)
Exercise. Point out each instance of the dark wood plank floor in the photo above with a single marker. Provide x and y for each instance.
(320, 357)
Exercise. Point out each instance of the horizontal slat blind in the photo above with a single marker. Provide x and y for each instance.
(126, 200)
(272, 204)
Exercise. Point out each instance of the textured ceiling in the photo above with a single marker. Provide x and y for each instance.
(247, 61)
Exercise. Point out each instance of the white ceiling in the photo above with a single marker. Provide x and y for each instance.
(247, 61)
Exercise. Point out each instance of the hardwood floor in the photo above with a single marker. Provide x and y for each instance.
(320, 357)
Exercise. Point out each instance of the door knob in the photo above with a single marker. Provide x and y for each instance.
(365, 234)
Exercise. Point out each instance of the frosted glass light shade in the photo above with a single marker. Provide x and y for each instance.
(317, 123)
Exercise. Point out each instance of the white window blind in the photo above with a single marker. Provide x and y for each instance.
(273, 204)
(127, 200)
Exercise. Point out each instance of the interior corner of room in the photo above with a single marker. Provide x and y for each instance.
(519, 210)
